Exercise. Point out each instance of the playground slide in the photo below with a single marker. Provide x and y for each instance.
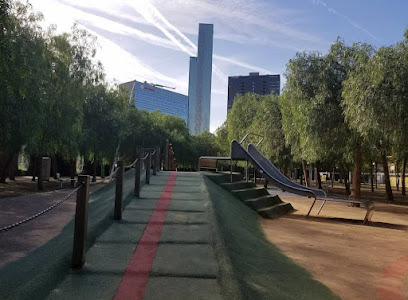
(271, 169)
(275, 177)
(271, 172)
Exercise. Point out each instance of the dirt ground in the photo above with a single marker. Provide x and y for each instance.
(19, 200)
(354, 260)
(24, 186)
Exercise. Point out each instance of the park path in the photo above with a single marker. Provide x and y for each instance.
(21, 240)
(160, 249)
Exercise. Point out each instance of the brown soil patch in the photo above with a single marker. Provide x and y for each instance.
(347, 256)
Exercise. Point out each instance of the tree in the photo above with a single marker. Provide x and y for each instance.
(313, 119)
(268, 123)
(242, 115)
(374, 98)
(223, 142)
(21, 64)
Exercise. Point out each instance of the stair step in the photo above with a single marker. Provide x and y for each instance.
(263, 202)
(240, 185)
(250, 193)
(276, 210)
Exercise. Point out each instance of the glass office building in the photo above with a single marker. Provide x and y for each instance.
(254, 83)
(199, 90)
(152, 98)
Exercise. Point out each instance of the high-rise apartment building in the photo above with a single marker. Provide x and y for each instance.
(199, 90)
(254, 83)
(151, 98)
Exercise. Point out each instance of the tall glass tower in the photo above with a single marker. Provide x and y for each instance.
(199, 90)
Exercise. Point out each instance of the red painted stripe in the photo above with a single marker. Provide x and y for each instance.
(136, 276)
(391, 282)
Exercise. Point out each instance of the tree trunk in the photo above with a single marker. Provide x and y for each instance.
(72, 172)
(404, 165)
(33, 164)
(376, 172)
(344, 173)
(387, 177)
(396, 173)
(371, 176)
(40, 177)
(356, 182)
(13, 168)
(332, 179)
(319, 179)
(305, 172)
(4, 166)
(94, 170)
(54, 167)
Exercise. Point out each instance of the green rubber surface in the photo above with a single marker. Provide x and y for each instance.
(262, 270)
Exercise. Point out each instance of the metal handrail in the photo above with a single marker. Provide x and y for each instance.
(251, 133)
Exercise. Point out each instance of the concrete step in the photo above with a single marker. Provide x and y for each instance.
(262, 202)
(276, 210)
(240, 185)
(250, 193)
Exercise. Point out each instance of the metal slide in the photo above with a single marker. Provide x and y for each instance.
(275, 177)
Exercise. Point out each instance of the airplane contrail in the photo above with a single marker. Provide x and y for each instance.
(350, 21)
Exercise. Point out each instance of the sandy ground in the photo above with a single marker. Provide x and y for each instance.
(354, 260)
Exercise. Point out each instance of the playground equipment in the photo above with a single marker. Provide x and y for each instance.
(275, 177)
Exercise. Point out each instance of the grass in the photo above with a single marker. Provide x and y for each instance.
(262, 270)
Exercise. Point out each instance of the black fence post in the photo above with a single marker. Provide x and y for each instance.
(138, 166)
(81, 222)
(117, 215)
(148, 166)
(155, 162)
(158, 156)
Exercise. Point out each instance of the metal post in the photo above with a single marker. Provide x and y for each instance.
(81, 222)
(138, 166)
(117, 215)
(155, 162)
(148, 166)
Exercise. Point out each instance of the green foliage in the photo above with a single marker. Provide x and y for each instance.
(241, 115)
(55, 100)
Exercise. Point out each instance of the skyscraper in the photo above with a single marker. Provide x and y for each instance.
(199, 90)
(254, 83)
(151, 98)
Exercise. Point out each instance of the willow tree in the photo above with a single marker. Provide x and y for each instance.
(241, 115)
(21, 64)
(313, 118)
(375, 102)
(268, 123)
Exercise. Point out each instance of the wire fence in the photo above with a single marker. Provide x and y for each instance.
(8, 227)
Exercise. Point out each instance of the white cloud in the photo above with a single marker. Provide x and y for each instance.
(239, 22)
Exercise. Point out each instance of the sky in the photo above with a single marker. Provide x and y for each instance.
(152, 40)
